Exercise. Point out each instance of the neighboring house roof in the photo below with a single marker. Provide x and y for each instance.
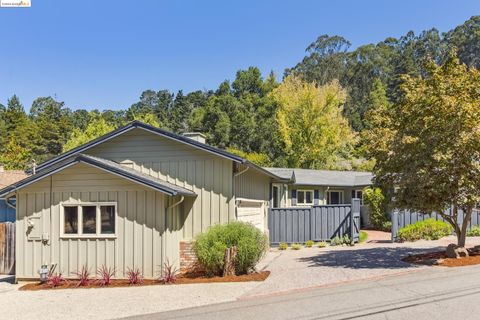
(325, 177)
(7, 177)
(107, 165)
(160, 132)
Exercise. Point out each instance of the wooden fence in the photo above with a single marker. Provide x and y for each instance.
(7, 248)
(402, 218)
(317, 223)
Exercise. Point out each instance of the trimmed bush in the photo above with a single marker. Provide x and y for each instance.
(322, 244)
(309, 244)
(474, 232)
(429, 229)
(363, 236)
(210, 246)
(338, 241)
(296, 246)
(283, 246)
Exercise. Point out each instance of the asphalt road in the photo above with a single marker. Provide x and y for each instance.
(436, 293)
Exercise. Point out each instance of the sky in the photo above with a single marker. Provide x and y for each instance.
(103, 54)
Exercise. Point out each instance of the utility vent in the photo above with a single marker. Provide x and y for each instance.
(197, 136)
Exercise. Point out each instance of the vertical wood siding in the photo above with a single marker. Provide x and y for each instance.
(209, 176)
(143, 238)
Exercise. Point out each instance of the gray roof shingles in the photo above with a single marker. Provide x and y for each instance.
(107, 165)
(325, 177)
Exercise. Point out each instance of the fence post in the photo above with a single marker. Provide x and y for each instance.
(355, 208)
(394, 219)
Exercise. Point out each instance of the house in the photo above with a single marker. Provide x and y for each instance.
(308, 187)
(136, 197)
(7, 177)
(132, 198)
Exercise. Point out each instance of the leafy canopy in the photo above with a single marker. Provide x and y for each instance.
(310, 122)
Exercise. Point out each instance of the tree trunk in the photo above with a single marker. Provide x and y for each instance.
(463, 233)
(229, 265)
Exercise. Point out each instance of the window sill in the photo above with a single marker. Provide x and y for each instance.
(85, 236)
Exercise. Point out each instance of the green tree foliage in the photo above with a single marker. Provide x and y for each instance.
(96, 127)
(259, 159)
(14, 155)
(376, 201)
(310, 122)
(427, 145)
(53, 124)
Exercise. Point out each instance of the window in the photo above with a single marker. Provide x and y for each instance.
(276, 198)
(334, 197)
(89, 220)
(359, 195)
(304, 197)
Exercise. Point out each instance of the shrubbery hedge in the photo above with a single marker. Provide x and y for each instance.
(429, 229)
(209, 247)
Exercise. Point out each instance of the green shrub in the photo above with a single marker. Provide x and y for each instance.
(429, 229)
(209, 247)
(322, 244)
(282, 246)
(386, 226)
(474, 232)
(376, 201)
(363, 236)
(338, 241)
(309, 244)
(296, 246)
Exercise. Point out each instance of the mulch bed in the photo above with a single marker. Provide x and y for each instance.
(184, 279)
(439, 258)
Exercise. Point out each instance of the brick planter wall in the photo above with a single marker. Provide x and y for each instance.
(187, 257)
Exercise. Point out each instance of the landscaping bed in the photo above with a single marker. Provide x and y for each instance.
(439, 258)
(184, 279)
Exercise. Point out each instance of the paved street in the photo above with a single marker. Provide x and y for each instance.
(434, 293)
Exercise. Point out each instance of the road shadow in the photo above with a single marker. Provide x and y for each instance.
(373, 258)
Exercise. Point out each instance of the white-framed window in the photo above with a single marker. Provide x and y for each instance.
(304, 197)
(359, 195)
(334, 197)
(88, 220)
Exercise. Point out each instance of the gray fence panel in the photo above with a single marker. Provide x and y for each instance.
(402, 218)
(317, 223)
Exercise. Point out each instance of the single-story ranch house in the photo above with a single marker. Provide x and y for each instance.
(138, 195)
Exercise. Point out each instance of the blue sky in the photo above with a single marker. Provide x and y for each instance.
(103, 54)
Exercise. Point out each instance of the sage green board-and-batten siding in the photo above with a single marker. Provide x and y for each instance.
(144, 237)
(208, 175)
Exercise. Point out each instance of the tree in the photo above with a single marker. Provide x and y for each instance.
(53, 124)
(96, 127)
(14, 156)
(259, 159)
(310, 122)
(427, 145)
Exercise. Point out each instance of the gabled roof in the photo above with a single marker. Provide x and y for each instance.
(106, 165)
(170, 135)
(326, 178)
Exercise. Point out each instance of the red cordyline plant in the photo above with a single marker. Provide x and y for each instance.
(56, 279)
(83, 277)
(169, 273)
(106, 275)
(134, 276)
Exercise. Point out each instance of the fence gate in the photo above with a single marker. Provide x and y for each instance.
(7, 248)
(317, 223)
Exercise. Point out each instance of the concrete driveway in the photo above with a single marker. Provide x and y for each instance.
(314, 267)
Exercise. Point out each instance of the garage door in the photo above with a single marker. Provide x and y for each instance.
(252, 211)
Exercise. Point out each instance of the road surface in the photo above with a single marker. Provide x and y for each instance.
(435, 293)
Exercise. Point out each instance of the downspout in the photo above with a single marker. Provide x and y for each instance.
(9, 204)
(325, 196)
(166, 221)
